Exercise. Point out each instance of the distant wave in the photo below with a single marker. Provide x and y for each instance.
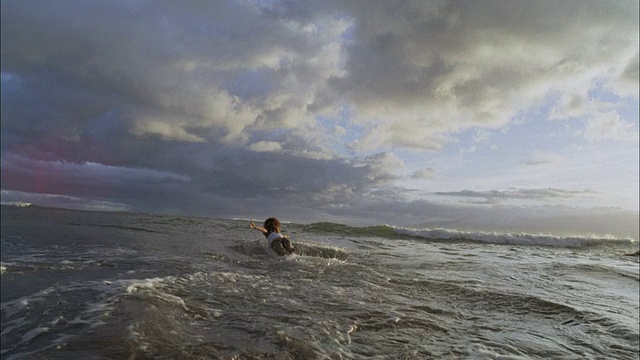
(515, 238)
(384, 231)
(16, 203)
(440, 234)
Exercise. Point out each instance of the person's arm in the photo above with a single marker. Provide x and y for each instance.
(262, 230)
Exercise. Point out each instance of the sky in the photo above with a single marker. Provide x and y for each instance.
(478, 115)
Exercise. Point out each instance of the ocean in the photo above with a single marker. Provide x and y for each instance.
(105, 285)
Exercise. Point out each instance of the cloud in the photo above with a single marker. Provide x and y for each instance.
(495, 196)
(221, 107)
(539, 158)
(481, 135)
(64, 201)
(413, 72)
(266, 146)
(602, 119)
(339, 130)
(627, 82)
(609, 126)
(86, 180)
(442, 67)
(182, 72)
(426, 173)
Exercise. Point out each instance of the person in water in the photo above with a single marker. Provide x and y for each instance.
(278, 242)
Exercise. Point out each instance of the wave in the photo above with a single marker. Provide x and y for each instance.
(122, 227)
(441, 234)
(16, 203)
(383, 231)
(524, 239)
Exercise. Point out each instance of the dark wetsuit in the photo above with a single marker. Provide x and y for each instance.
(280, 244)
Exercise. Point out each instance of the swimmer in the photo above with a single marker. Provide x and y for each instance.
(278, 242)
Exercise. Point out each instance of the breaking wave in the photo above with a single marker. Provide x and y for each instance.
(440, 234)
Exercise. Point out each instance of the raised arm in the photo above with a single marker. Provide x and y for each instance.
(262, 230)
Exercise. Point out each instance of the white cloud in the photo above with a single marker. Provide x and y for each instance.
(266, 146)
(609, 126)
(438, 68)
(339, 130)
(481, 135)
(381, 165)
(167, 129)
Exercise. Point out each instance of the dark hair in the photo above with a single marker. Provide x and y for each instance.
(271, 224)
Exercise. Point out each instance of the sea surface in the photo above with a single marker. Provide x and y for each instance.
(104, 285)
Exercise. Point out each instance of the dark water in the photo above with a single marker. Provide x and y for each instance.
(88, 285)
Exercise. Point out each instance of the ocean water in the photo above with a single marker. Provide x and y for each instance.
(92, 285)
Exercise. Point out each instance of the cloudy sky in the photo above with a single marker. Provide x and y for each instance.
(471, 114)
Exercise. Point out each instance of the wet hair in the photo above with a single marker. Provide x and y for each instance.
(271, 224)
